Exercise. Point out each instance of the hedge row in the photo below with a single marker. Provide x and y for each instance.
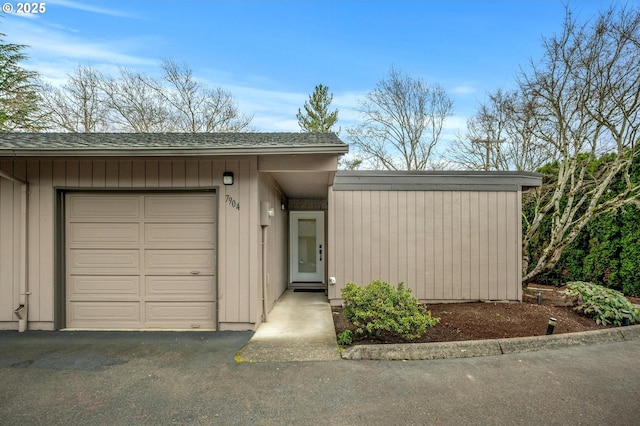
(607, 251)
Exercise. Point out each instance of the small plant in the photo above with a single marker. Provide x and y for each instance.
(345, 338)
(379, 307)
(605, 305)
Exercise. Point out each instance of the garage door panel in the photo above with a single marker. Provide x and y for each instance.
(105, 314)
(179, 234)
(103, 234)
(180, 314)
(187, 208)
(101, 208)
(103, 288)
(180, 288)
(160, 262)
(140, 261)
(104, 262)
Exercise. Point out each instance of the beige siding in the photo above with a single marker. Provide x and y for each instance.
(277, 241)
(444, 245)
(238, 239)
(9, 245)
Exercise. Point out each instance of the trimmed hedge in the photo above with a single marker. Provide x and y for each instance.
(607, 251)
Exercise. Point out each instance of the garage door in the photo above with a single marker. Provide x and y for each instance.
(140, 261)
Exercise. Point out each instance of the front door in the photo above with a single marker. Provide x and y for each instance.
(307, 247)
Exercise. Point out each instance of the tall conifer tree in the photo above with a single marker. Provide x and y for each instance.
(316, 116)
(18, 95)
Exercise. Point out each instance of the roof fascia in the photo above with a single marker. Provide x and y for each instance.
(172, 152)
(436, 181)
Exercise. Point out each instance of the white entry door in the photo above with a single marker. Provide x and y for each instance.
(307, 246)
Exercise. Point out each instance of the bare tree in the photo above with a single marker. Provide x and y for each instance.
(136, 103)
(481, 147)
(585, 95)
(499, 137)
(78, 106)
(196, 107)
(403, 118)
(93, 102)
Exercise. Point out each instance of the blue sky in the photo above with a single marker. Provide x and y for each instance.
(271, 54)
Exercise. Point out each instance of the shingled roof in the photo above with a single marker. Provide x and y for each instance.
(58, 144)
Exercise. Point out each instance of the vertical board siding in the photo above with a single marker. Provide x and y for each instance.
(152, 175)
(366, 232)
(179, 174)
(231, 300)
(72, 173)
(165, 174)
(248, 260)
(444, 245)
(112, 174)
(9, 244)
(35, 227)
(238, 245)
(277, 242)
(99, 174)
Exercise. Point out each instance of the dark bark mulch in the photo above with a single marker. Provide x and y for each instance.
(492, 320)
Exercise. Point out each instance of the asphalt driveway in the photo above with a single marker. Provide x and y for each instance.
(192, 378)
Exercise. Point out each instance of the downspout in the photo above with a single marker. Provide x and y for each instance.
(264, 273)
(266, 212)
(22, 311)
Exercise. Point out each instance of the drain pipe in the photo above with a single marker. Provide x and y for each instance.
(266, 213)
(264, 274)
(22, 311)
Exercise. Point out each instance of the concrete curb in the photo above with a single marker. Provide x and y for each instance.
(474, 348)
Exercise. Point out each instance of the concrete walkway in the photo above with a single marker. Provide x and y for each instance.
(300, 328)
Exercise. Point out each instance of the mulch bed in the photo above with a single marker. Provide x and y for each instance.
(493, 320)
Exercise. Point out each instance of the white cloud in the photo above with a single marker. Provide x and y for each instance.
(456, 122)
(88, 8)
(59, 52)
(464, 89)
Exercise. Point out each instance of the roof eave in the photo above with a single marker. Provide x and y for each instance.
(173, 152)
(435, 181)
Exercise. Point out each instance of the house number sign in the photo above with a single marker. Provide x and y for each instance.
(231, 202)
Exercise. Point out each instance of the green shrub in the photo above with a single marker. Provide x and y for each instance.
(630, 252)
(605, 305)
(379, 307)
(345, 338)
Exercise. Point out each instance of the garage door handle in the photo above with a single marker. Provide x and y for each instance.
(195, 272)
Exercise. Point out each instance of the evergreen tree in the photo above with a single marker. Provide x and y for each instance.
(317, 117)
(18, 95)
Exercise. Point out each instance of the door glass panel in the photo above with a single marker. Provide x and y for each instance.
(307, 245)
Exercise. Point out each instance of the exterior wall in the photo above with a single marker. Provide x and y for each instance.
(10, 223)
(238, 238)
(277, 241)
(444, 245)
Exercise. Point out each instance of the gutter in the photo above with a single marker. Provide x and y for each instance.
(170, 152)
(22, 311)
